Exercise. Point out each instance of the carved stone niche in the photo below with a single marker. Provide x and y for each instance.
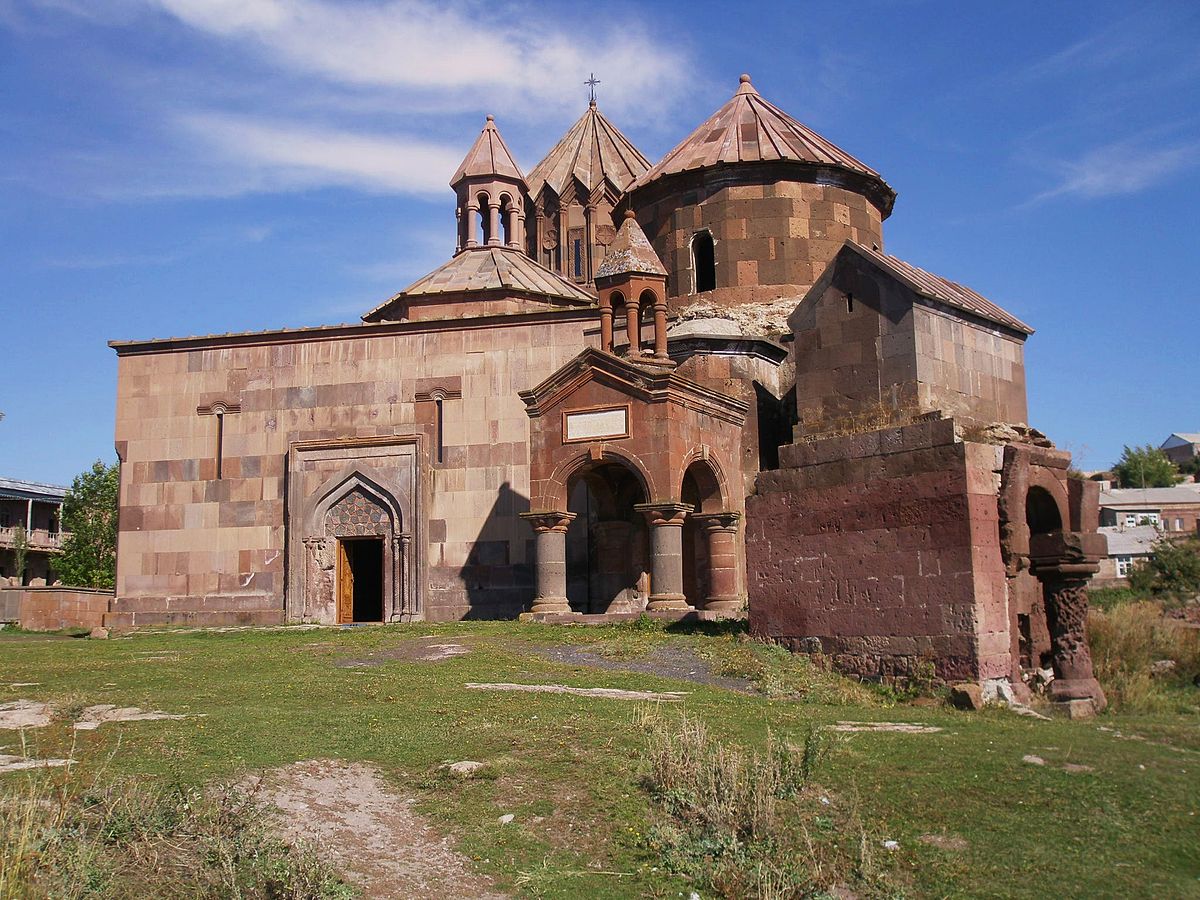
(360, 488)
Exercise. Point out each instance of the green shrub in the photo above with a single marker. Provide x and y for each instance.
(1171, 571)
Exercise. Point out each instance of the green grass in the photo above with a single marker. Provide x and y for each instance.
(568, 767)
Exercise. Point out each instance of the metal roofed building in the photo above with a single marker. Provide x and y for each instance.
(29, 510)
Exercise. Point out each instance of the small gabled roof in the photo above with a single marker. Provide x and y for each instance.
(1179, 439)
(1137, 540)
(748, 129)
(593, 151)
(488, 157)
(481, 269)
(943, 290)
(630, 252)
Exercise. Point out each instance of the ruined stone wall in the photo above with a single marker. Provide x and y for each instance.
(773, 235)
(882, 550)
(195, 547)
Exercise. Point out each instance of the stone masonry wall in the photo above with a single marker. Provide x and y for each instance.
(882, 550)
(193, 547)
(772, 238)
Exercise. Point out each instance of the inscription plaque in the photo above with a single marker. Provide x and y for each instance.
(596, 423)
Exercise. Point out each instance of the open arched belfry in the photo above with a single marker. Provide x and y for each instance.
(698, 387)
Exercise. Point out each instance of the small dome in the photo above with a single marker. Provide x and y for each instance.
(593, 150)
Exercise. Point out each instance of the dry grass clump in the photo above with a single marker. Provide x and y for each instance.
(1127, 641)
(64, 838)
(742, 824)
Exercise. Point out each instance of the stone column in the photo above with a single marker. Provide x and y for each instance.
(633, 327)
(660, 329)
(472, 211)
(606, 323)
(1064, 562)
(408, 596)
(458, 245)
(721, 529)
(550, 567)
(666, 553)
(493, 235)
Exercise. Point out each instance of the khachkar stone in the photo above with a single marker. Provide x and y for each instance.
(550, 568)
(721, 529)
(666, 554)
(1064, 562)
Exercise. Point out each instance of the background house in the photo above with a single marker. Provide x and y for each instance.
(35, 509)
(1173, 509)
(1125, 547)
(1181, 448)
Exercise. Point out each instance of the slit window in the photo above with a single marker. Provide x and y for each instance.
(704, 261)
(849, 303)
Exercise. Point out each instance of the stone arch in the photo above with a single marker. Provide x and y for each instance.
(1051, 500)
(555, 494)
(353, 516)
(709, 479)
(607, 541)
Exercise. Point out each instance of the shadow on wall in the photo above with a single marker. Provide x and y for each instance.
(498, 582)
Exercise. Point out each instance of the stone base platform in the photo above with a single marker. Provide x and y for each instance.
(662, 615)
(128, 621)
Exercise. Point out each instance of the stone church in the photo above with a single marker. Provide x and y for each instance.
(692, 388)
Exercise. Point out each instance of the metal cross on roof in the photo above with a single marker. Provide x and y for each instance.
(591, 83)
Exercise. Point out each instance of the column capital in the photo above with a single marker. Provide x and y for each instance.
(718, 521)
(550, 520)
(665, 514)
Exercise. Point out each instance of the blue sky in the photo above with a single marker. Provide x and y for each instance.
(175, 167)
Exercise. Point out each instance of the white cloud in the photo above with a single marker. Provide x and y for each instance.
(1122, 167)
(468, 55)
(295, 155)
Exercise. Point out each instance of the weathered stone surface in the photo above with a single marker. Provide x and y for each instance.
(967, 695)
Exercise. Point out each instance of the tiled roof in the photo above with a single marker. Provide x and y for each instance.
(751, 129)
(630, 252)
(15, 488)
(491, 269)
(488, 156)
(942, 289)
(1141, 498)
(1135, 541)
(593, 150)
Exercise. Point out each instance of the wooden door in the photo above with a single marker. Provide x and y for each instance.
(345, 585)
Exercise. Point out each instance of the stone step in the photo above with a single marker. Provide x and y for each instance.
(127, 621)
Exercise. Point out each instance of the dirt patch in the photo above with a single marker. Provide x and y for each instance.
(604, 693)
(352, 817)
(415, 650)
(679, 663)
(95, 716)
(24, 714)
(20, 763)
(944, 841)
(900, 727)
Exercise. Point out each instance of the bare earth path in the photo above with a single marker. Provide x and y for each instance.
(373, 836)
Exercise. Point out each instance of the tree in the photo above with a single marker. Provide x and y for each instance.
(89, 514)
(1145, 467)
(1172, 569)
(20, 543)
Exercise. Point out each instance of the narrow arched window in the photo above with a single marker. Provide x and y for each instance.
(704, 262)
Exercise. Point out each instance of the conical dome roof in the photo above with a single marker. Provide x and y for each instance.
(630, 252)
(751, 129)
(488, 157)
(593, 150)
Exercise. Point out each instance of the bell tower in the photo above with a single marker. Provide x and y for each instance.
(491, 195)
